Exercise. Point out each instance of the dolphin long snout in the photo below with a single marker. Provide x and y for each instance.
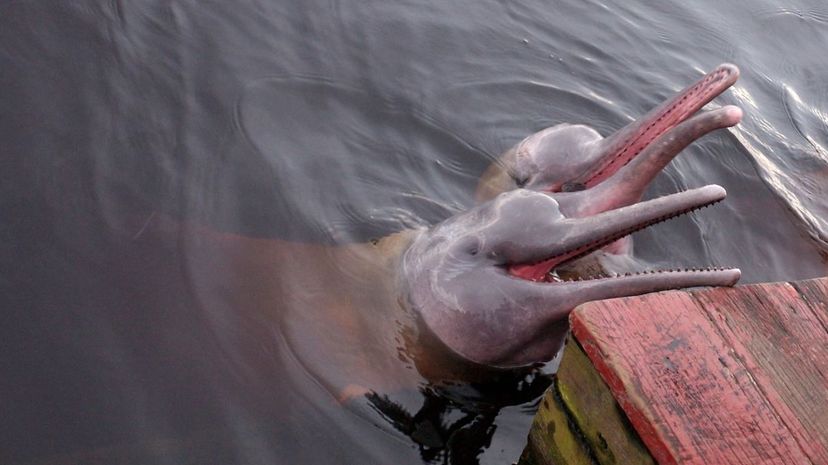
(627, 143)
(628, 185)
(585, 235)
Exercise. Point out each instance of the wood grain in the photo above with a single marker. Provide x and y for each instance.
(779, 335)
(815, 292)
(725, 376)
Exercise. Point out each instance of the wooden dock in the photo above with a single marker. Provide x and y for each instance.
(718, 376)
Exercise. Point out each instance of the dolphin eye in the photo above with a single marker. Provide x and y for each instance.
(469, 246)
(573, 187)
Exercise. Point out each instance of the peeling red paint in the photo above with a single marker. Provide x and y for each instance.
(723, 376)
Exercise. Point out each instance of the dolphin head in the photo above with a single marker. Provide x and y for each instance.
(618, 168)
(482, 280)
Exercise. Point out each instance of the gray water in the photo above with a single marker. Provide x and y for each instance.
(142, 142)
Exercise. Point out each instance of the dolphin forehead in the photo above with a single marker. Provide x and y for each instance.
(555, 155)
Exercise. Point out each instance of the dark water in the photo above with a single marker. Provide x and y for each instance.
(134, 134)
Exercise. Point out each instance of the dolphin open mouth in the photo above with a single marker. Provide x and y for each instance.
(629, 160)
(624, 145)
(701, 198)
(583, 236)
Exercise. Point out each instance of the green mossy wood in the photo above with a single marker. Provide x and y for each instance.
(553, 439)
(594, 410)
(579, 421)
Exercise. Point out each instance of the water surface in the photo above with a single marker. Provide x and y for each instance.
(181, 178)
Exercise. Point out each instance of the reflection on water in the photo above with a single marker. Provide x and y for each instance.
(191, 191)
(450, 427)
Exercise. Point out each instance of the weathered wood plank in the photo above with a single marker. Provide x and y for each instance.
(780, 339)
(689, 395)
(552, 440)
(579, 422)
(815, 292)
(596, 413)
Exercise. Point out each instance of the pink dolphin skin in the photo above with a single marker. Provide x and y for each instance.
(480, 280)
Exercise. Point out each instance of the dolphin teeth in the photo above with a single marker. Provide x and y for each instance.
(594, 245)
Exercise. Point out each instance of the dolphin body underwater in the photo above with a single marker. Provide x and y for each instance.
(484, 288)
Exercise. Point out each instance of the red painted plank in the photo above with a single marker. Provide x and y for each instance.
(786, 344)
(815, 292)
(688, 394)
